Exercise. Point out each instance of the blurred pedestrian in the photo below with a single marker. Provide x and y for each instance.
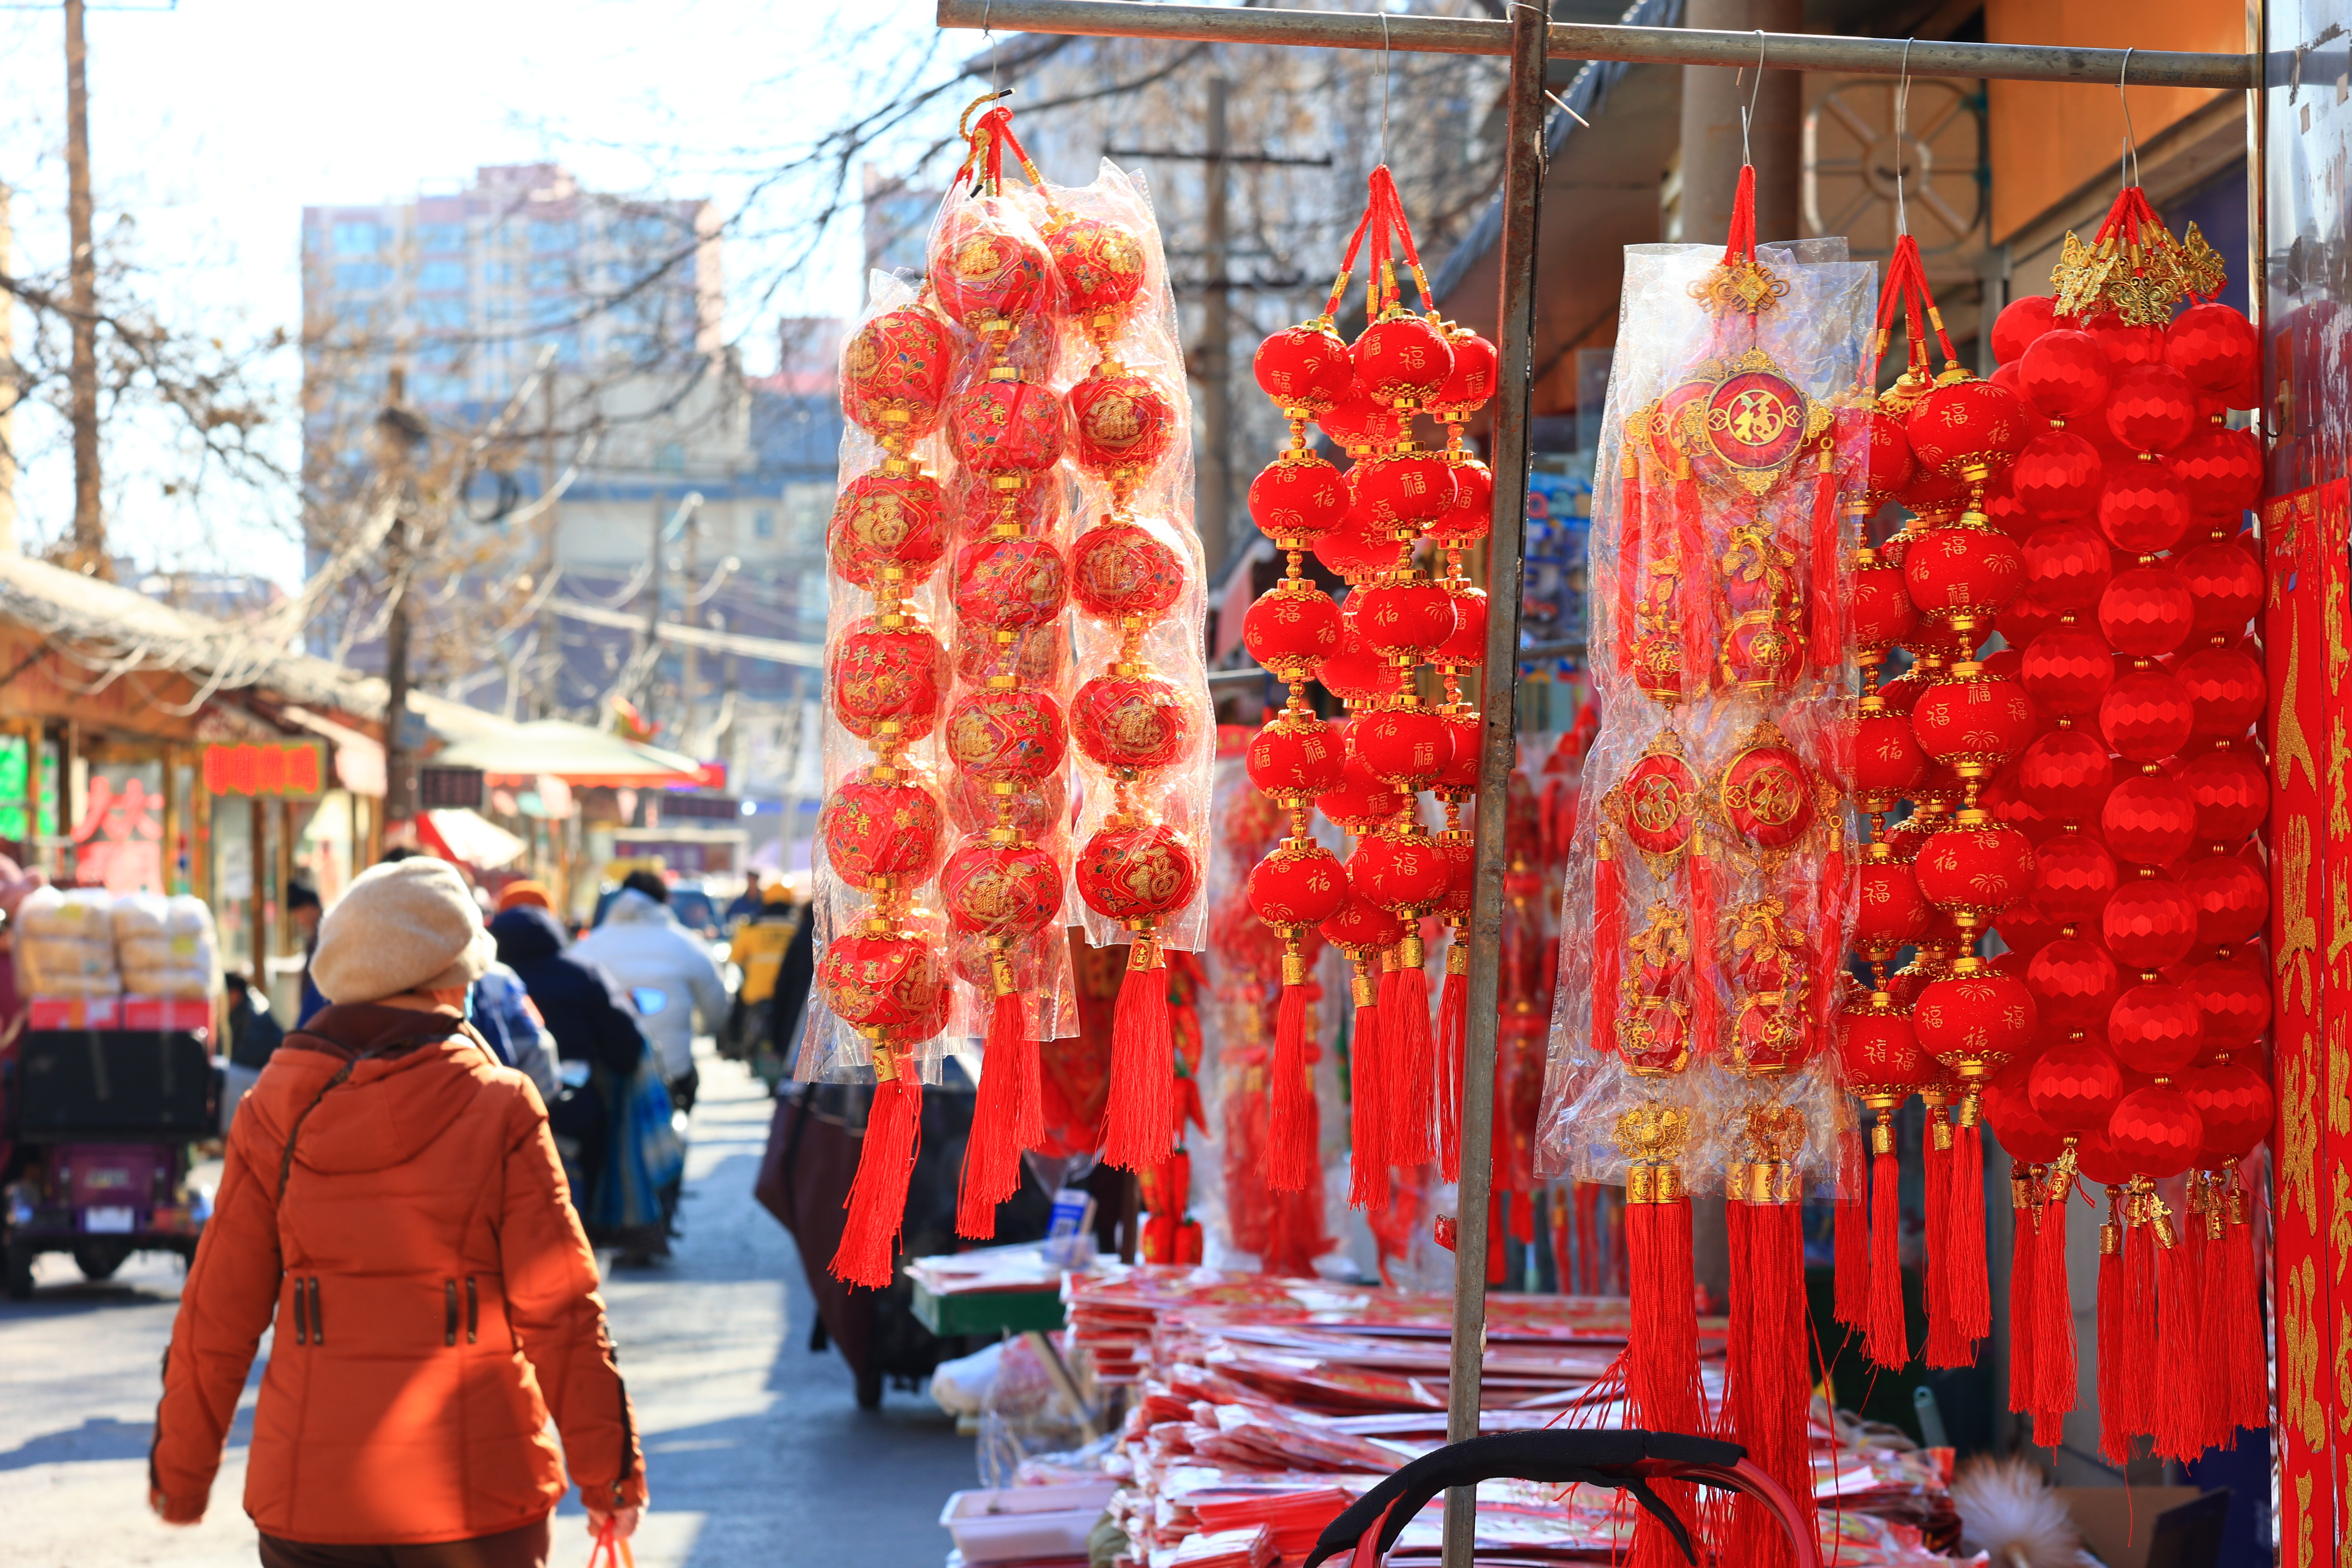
(667, 969)
(303, 907)
(392, 1200)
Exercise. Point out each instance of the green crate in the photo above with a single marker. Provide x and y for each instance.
(989, 1312)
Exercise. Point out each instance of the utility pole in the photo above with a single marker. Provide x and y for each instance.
(651, 652)
(550, 690)
(689, 665)
(7, 400)
(1214, 351)
(399, 435)
(89, 553)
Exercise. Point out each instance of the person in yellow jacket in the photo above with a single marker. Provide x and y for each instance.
(776, 952)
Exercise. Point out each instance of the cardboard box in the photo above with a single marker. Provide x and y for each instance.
(2118, 1522)
(74, 1012)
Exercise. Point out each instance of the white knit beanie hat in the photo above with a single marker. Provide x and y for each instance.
(408, 926)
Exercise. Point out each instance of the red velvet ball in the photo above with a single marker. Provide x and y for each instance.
(874, 828)
(1986, 1017)
(999, 735)
(2065, 673)
(1982, 868)
(2021, 621)
(2148, 820)
(2143, 507)
(2065, 775)
(2232, 791)
(1402, 490)
(2145, 715)
(1292, 628)
(1002, 426)
(1359, 422)
(2156, 1028)
(2023, 1132)
(1885, 758)
(1357, 672)
(2064, 374)
(2225, 585)
(887, 520)
(895, 371)
(1406, 747)
(1295, 756)
(2148, 923)
(2021, 321)
(2074, 980)
(2236, 1107)
(2126, 345)
(1305, 369)
(1412, 617)
(1406, 873)
(2231, 898)
(999, 890)
(1402, 360)
(2057, 477)
(2026, 930)
(1902, 694)
(1471, 383)
(1969, 427)
(2157, 1131)
(2003, 510)
(2222, 471)
(1361, 923)
(1010, 582)
(1461, 852)
(1136, 873)
(2076, 1084)
(2213, 347)
(1472, 516)
(1956, 570)
(1135, 722)
(880, 676)
(1878, 1051)
(1937, 497)
(1458, 780)
(1121, 569)
(1298, 500)
(2150, 408)
(1888, 909)
(1300, 884)
(1466, 648)
(2146, 612)
(1362, 802)
(2006, 804)
(1032, 655)
(1973, 719)
(1358, 549)
(1891, 463)
(2096, 1158)
(891, 982)
(2233, 1001)
(1122, 425)
(2005, 376)
(2068, 565)
(1101, 265)
(2226, 691)
(2073, 878)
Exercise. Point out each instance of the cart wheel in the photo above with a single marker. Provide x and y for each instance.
(20, 1271)
(98, 1260)
(869, 1388)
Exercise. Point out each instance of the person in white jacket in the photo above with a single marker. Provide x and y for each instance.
(666, 968)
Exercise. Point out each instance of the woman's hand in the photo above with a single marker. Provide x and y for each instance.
(623, 1521)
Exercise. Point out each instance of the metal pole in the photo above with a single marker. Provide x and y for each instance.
(88, 553)
(1523, 173)
(1579, 41)
(1213, 354)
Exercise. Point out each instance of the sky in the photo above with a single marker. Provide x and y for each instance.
(215, 121)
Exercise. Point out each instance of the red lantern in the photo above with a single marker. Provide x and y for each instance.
(1132, 722)
(1300, 884)
(2150, 408)
(1295, 757)
(1888, 909)
(1886, 758)
(2157, 1131)
(1298, 500)
(2064, 374)
(1969, 428)
(1973, 722)
(1458, 780)
(1882, 611)
(2234, 1106)
(878, 829)
(2232, 898)
(888, 982)
(2075, 1085)
(1467, 647)
(999, 890)
(887, 520)
(1974, 1020)
(1891, 462)
(1472, 516)
(1402, 360)
(2073, 878)
(1401, 492)
(2143, 507)
(1472, 380)
(1132, 874)
(2150, 819)
(2155, 1027)
(2222, 471)
(977, 503)
(1122, 569)
(1007, 735)
(2058, 476)
(2232, 794)
(2148, 923)
(1121, 424)
(1879, 1052)
(2067, 672)
(2226, 688)
(2065, 774)
(1973, 868)
(2213, 347)
(1362, 802)
(1406, 873)
(2074, 980)
(1101, 265)
(881, 676)
(1040, 806)
(1305, 369)
(2225, 585)
(2021, 321)
(1358, 549)
(1360, 423)
(1358, 672)
(1958, 572)
(1010, 582)
(894, 373)
(1410, 618)
(988, 267)
(2145, 715)
(1292, 628)
(1406, 747)
(2234, 1002)
(1002, 426)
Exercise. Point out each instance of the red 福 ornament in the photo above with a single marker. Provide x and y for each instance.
(1402, 360)
(889, 677)
(1122, 425)
(1007, 735)
(1132, 722)
(1295, 757)
(895, 372)
(1292, 628)
(876, 828)
(1006, 425)
(1121, 569)
(1011, 582)
(1298, 500)
(989, 268)
(1102, 268)
(999, 890)
(1305, 369)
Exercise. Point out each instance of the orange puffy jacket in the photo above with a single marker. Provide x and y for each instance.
(394, 1200)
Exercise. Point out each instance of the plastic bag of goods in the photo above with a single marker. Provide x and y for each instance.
(65, 943)
(166, 947)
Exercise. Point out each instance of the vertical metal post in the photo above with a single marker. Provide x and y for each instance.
(1497, 700)
(1212, 355)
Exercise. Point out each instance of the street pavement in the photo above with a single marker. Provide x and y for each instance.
(755, 1447)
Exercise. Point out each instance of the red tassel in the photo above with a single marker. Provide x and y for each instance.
(1851, 1276)
(1971, 1289)
(2054, 1326)
(2173, 1419)
(2212, 1360)
(1608, 944)
(2250, 1391)
(1946, 1346)
(2024, 1266)
(1140, 1123)
(1829, 957)
(1453, 1040)
(868, 1253)
(1767, 1390)
(2137, 1341)
(1741, 244)
(1888, 1339)
(992, 1153)
(1827, 635)
(1662, 1379)
(1411, 1054)
(1290, 1159)
(1633, 476)
(1367, 1165)
(2114, 1426)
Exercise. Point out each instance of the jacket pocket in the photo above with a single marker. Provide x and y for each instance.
(473, 1309)
(318, 1315)
(301, 1316)
(449, 1319)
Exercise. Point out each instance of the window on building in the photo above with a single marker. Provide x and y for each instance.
(359, 275)
(763, 524)
(670, 458)
(442, 276)
(555, 274)
(440, 237)
(358, 239)
(549, 310)
(498, 274)
(808, 504)
(550, 236)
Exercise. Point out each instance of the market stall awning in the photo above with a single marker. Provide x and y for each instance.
(462, 834)
(572, 752)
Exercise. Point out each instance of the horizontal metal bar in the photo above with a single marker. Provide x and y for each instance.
(1529, 655)
(1582, 41)
(1323, 161)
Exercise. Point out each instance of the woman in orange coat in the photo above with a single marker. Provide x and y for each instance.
(394, 1201)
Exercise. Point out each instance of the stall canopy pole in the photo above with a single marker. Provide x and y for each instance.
(1582, 41)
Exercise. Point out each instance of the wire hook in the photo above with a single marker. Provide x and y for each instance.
(986, 12)
(2128, 167)
(1748, 115)
(1902, 135)
(1388, 72)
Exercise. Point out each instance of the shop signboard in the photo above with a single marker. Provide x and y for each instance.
(272, 770)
